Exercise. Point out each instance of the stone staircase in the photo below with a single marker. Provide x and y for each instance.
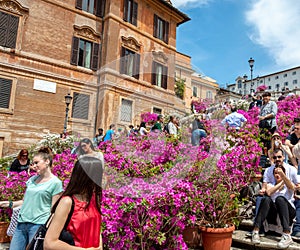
(240, 240)
(4, 246)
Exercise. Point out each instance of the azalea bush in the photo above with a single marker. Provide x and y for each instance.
(158, 186)
(148, 117)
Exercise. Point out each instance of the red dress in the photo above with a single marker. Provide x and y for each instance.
(85, 224)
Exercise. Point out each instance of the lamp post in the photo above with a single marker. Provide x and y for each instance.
(68, 99)
(251, 63)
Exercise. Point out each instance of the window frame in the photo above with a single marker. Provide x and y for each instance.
(161, 29)
(9, 30)
(11, 102)
(130, 14)
(95, 53)
(85, 108)
(98, 10)
(195, 91)
(163, 76)
(122, 111)
(128, 56)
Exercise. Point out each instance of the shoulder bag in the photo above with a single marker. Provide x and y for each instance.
(266, 123)
(37, 243)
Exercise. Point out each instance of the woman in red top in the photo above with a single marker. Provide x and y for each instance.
(85, 224)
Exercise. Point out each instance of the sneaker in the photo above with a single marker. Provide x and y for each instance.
(255, 237)
(285, 241)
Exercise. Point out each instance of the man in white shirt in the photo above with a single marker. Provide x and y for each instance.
(234, 120)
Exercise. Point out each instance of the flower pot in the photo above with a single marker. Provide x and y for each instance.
(217, 238)
(192, 237)
(3, 236)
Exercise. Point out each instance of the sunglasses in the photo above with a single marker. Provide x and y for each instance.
(277, 157)
(24, 155)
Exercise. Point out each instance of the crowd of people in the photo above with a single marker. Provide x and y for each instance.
(77, 208)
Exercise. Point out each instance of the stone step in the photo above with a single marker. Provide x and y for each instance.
(269, 241)
(4, 246)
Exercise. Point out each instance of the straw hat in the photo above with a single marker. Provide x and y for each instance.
(276, 134)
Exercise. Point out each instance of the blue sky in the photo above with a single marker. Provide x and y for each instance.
(223, 34)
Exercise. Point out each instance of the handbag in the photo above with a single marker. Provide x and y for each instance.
(13, 221)
(264, 124)
(37, 243)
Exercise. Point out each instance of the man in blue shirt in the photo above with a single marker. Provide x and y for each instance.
(234, 120)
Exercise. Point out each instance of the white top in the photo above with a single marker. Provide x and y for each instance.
(143, 131)
(172, 128)
(291, 174)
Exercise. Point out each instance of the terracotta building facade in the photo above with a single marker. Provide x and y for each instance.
(116, 58)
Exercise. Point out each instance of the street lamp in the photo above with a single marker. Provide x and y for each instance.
(68, 99)
(251, 63)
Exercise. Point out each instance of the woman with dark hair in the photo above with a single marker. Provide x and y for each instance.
(86, 148)
(85, 224)
(42, 191)
(21, 163)
(143, 130)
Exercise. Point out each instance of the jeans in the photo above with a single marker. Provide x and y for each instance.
(296, 228)
(197, 135)
(269, 210)
(23, 235)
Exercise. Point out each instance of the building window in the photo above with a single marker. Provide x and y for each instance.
(269, 79)
(195, 91)
(126, 110)
(270, 87)
(8, 30)
(157, 111)
(285, 75)
(130, 63)
(130, 11)
(295, 81)
(95, 7)
(294, 73)
(286, 83)
(277, 86)
(239, 84)
(80, 106)
(161, 29)
(276, 77)
(5, 93)
(208, 94)
(261, 81)
(159, 75)
(85, 53)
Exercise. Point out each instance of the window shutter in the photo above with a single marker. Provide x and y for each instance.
(125, 11)
(75, 48)
(123, 61)
(166, 32)
(136, 73)
(153, 74)
(5, 92)
(126, 110)
(100, 8)
(135, 13)
(164, 77)
(79, 4)
(80, 107)
(155, 26)
(12, 31)
(3, 28)
(95, 56)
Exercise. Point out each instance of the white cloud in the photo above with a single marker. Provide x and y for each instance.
(275, 26)
(189, 3)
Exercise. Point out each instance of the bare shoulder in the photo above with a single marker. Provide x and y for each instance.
(65, 202)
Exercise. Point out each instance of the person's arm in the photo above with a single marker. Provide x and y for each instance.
(11, 203)
(271, 189)
(288, 143)
(270, 155)
(52, 241)
(292, 158)
(287, 181)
